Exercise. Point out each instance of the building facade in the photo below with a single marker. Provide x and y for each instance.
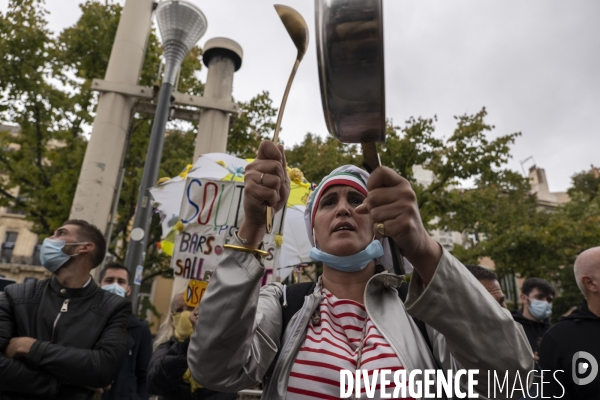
(20, 248)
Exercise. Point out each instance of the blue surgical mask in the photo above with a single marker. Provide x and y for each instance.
(540, 309)
(51, 254)
(115, 288)
(354, 263)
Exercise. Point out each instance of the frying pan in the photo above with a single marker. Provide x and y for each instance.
(349, 35)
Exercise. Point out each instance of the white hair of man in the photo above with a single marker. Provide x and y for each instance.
(587, 265)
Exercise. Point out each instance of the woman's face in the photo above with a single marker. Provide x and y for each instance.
(338, 229)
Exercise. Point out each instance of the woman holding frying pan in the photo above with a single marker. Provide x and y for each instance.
(354, 318)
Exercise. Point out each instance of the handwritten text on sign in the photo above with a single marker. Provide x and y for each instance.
(195, 291)
(212, 211)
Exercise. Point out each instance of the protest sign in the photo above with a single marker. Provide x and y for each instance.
(211, 212)
(194, 292)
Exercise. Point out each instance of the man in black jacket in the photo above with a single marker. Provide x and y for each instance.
(62, 337)
(571, 348)
(131, 382)
(536, 295)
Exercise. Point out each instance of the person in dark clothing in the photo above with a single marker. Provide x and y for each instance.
(130, 383)
(571, 348)
(62, 337)
(536, 295)
(489, 280)
(168, 373)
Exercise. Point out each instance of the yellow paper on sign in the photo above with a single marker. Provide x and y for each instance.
(194, 292)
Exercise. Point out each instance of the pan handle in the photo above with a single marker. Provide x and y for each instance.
(370, 156)
(370, 163)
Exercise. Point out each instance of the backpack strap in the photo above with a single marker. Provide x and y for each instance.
(403, 293)
(291, 302)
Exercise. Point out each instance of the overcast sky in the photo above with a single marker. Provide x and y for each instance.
(535, 66)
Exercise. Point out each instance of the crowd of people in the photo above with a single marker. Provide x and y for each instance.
(69, 337)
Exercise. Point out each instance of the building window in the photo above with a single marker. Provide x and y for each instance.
(35, 258)
(13, 210)
(509, 287)
(445, 239)
(8, 246)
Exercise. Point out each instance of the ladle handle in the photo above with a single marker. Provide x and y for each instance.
(270, 213)
(270, 217)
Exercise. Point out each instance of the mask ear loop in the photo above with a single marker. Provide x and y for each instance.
(73, 244)
(315, 239)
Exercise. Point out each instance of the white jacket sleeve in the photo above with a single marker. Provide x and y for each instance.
(239, 326)
(478, 332)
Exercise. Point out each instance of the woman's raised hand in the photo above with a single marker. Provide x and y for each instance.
(266, 184)
(392, 202)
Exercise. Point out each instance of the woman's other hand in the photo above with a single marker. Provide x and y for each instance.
(392, 202)
(266, 184)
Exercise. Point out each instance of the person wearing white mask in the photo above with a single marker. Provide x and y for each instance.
(131, 381)
(72, 335)
(354, 318)
(536, 296)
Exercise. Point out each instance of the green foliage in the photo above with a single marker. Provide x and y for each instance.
(525, 239)
(317, 157)
(586, 184)
(45, 88)
(254, 123)
(87, 44)
(42, 162)
(497, 215)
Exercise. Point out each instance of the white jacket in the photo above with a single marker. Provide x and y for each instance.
(239, 329)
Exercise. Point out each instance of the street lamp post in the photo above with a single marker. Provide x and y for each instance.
(181, 25)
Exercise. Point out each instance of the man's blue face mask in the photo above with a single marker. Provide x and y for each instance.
(51, 254)
(540, 309)
(115, 288)
(355, 262)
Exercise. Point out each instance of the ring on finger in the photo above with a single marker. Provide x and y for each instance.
(380, 228)
(261, 179)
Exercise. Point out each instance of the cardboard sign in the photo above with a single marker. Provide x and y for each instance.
(212, 211)
(195, 291)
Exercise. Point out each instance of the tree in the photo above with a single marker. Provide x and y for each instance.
(42, 162)
(497, 214)
(254, 123)
(525, 239)
(466, 155)
(45, 87)
(317, 157)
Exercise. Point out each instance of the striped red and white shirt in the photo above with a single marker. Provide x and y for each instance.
(332, 345)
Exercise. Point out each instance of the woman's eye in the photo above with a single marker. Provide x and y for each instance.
(328, 203)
